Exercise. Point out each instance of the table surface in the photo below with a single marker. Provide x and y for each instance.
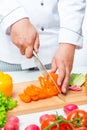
(25, 76)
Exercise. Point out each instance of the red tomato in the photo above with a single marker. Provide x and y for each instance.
(47, 120)
(46, 123)
(65, 126)
(76, 116)
(80, 128)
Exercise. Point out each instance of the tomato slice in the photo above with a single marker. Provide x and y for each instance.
(65, 126)
(78, 117)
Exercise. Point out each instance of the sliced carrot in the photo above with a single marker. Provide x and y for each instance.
(32, 90)
(55, 76)
(35, 98)
(24, 97)
(45, 90)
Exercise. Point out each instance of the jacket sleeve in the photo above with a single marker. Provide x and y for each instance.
(71, 13)
(10, 12)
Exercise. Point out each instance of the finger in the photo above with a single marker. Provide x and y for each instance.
(66, 82)
(61, 74)
(29, 52)
(36, 44)
(22, 44)
(22, 50)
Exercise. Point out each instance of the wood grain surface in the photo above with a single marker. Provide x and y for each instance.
(46, 104)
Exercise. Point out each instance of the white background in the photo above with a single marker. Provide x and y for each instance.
(81, 55)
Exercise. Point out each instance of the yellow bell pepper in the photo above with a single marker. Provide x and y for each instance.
(6, 84)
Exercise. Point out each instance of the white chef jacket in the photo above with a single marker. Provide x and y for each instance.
(56, 21)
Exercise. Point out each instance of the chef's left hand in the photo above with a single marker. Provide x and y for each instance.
(63, 62)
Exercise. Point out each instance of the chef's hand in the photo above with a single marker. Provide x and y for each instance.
(63, 62)
(25, 37)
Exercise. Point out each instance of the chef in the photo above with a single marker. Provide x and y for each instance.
(53, 28)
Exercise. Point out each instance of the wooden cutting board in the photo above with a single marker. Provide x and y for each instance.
(46, 104)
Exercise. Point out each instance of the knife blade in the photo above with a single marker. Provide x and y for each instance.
(45, 73)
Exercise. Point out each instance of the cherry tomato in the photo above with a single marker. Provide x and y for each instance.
(78, 117)
(65, 126)
(47, 120)
(80, 128)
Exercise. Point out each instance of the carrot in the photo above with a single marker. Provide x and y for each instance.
(55, 76)
(32, 90)
(45, 90)
(24, 97)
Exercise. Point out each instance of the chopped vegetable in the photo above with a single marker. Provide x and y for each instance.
(45, 90)
(77, 79)
(75, 88)
(69, 107)
(6, 84)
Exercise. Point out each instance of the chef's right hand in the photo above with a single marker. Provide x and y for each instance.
(25, 37)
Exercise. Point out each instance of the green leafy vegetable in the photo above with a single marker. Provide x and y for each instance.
(77, 79)
(10, 104)
(6, 103)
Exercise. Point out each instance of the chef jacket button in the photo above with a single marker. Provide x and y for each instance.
(42, 29)
(42, 3)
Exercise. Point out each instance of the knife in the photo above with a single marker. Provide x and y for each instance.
(45, 73)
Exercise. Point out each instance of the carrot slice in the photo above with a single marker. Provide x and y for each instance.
(24, 97)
